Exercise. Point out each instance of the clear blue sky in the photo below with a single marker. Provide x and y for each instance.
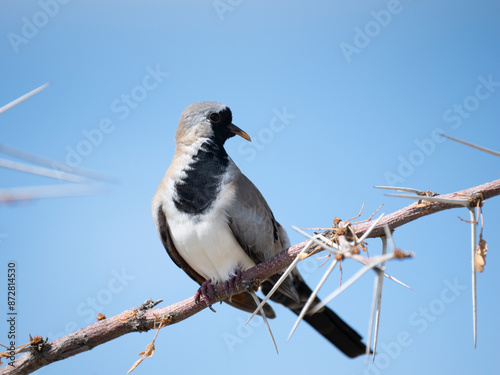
(337, 97)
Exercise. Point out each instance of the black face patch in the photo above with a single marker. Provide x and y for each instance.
(221, 132)
(198, 190)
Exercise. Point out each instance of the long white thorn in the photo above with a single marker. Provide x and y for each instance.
(312, 297)
(396, 280)
(365, 261)
(380, 281)
(462, 202)
(333, 249)
(474, 294)
(279, 282)
(388, 236)
(315, 239)
(357, 258)
(492, 152)
(22, 98)
(326, 247)
(351, 281)
(47, 191)
(42, 171)
(53, 164)
(401, 189)
(369, 230)
(264, 318)
(372, 317)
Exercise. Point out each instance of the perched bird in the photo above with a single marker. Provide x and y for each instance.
(214, 223)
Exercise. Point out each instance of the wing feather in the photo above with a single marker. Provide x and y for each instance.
(255, 228)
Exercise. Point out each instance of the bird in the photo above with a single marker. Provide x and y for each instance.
(214, 223)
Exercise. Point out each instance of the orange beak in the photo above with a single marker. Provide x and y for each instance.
(235, 130)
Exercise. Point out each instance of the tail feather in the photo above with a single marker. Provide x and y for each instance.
(338, 332)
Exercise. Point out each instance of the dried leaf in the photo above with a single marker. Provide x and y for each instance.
(137, 363)
(302, 256)
(101, 317)
(150, 350)
(424, 204)
(479, 258)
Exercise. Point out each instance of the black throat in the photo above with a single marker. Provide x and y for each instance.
(197, 191)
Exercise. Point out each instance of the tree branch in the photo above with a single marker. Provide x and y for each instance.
(413, 212)
(144, 317)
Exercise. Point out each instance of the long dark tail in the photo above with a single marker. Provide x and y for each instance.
(338, 332)
(326, 322)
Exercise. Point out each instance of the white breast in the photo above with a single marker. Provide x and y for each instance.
(206, 242)
(209, 247)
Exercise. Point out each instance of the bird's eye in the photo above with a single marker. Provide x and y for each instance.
(214, 117)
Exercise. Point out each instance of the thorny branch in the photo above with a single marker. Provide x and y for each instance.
(144, 317)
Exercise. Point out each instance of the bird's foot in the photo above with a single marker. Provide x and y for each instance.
(205, 293)
(230, 284)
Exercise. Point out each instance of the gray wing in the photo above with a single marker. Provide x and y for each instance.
(255, 228)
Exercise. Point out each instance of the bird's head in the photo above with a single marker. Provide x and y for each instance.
(207, 119)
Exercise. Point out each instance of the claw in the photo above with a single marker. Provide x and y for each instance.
(232, 282)
(206, 290)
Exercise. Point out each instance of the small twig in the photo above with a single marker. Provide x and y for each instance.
(150, 349)
(466, 221)
(358, 215)
(373, 214)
